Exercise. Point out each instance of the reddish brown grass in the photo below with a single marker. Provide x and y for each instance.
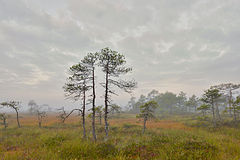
(167, 124)
(31, 120)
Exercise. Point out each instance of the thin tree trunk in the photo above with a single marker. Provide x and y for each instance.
(230, 102)
(232, 107)
(234, 114)
(93, 108)
(39, 120)
(83, 113)
(213, 112)
(19, 126)
(217, 112)
(5, 122)
(106, 104)
(144, 125)
(100, 119)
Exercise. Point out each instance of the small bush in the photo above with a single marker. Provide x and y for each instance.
(160, 140)
(101, 129)
(84, 150)
(104, 150)
(77, 151)
(54, 141)
(142, 151)
(128, 126)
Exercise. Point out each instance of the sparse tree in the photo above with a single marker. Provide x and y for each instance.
(228, 90)
(14, 105)
(167, 102)
(38, 111)
(136, 106)
(182, 99)
(210, 97)
(41, 115)
(220, 102)
(90, 62)
(77, 86)
(192, 102)
(62, 114)
(113, 66)
(115, 109)
(32, 106)
(236, 106)
(142, 99)
(203, 108)
(131, 106)
(3, 118)
(152, 95)
(147, 111)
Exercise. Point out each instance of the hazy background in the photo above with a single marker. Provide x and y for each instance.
(172, 45)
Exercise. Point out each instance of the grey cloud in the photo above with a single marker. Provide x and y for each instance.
(171, 45)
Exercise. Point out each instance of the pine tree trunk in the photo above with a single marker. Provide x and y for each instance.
(213, 112)
(217, 112)
(144, 124)
(100, 119)
(106, 105)
(83, 114)
(230, 102)
(19, 126)
(93, 108)
(232, 107)
(234, 114)
(39, 120)
(5, 122)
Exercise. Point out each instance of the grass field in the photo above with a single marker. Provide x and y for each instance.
(169, 138)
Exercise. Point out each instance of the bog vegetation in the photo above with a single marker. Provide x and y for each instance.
(154, 126)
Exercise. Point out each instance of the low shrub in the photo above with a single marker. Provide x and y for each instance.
(54, 141)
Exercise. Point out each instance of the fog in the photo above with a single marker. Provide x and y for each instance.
(172, 45)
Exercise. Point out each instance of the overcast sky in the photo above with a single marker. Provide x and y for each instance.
(172, 45)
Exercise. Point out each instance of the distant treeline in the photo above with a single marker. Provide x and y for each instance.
(218, 100)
